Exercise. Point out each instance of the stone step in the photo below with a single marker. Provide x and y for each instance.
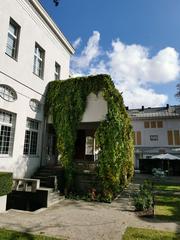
(48, 175)
(53, 197)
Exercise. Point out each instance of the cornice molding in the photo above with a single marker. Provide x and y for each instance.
(47, 20)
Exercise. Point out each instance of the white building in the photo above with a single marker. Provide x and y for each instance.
(157, 130)
(33, 51)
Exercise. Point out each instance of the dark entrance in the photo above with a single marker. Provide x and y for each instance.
(80, 145)
(51, 146)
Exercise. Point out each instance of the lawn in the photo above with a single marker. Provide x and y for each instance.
(167, 201)
(13, 235)
(167, 187)
(148, 234)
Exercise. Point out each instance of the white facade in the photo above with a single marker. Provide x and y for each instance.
(96, 108)
(35, 27)
(156, 130)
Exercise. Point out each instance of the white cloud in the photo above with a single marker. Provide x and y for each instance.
(139, 96)
(89, 53)
(77, 43)
(164, 67)
(131, 68)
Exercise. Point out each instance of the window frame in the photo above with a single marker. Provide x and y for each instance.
(39, 61)
(57, 74)
(7, 93)
(146, 124)
(15, 37)
(28, 138)
(7, 140)
(159, 124)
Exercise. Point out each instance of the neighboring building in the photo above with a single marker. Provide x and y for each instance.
(33, 52)
(157, 130)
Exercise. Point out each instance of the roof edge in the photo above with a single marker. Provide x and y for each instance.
(45, 16)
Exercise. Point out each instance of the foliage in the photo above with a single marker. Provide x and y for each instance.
(14, 235)
(177, 95)
(66, 103)
(144, 198)
(56, 2)
(5, 183)
(132, 233)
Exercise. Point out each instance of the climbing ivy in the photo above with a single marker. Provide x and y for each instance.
(66, 103)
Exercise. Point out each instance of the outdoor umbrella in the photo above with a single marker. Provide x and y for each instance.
(166, 156)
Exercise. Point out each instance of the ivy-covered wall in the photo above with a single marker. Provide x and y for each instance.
(66, 102)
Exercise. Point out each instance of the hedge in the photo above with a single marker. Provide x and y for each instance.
(5, 183)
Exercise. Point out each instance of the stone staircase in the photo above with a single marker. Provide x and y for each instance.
(52, 197)
(49, 177)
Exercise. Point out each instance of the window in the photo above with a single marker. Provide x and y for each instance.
(57, 71)
(39, 55)
(153, 124)
(170, 137)
(173, 137)
(159, 124)
(89, 145)
(7, 127)
(176, 137)
(7, 93)
(13, 39)
(137, 138)
(146, 124)
(31, 137)
(35, 105)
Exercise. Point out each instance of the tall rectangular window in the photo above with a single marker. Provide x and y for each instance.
(31, 137)
(7, 127)
(13, 39)
(39, 57)
(176, 137)
(57, 71)
(146, 124)
(170, 137)
(138, 137)
(153, 124)
(159, 124)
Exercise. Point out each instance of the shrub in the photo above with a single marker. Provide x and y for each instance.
(143, 200)
(5, 183)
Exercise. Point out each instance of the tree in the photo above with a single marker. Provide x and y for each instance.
(177, 95)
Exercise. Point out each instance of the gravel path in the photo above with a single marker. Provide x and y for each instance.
(79, 220)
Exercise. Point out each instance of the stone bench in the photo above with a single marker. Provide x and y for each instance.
(26, 184)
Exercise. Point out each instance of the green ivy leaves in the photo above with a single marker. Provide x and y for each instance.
(66, 102)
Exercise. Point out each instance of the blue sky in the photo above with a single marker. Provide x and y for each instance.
(137, 42)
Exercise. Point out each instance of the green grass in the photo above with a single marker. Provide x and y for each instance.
(13, 235)
(167, 201)
(167, 207)
(167, 187)
(149, 234)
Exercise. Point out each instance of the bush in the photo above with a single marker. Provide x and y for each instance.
(5, 183)
(143, 200)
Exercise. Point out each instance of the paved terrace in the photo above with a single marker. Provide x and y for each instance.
(79, 220)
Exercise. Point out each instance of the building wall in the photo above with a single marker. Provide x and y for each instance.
(162, 133)
(19, 75)
(96, 109)
(146, 147)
